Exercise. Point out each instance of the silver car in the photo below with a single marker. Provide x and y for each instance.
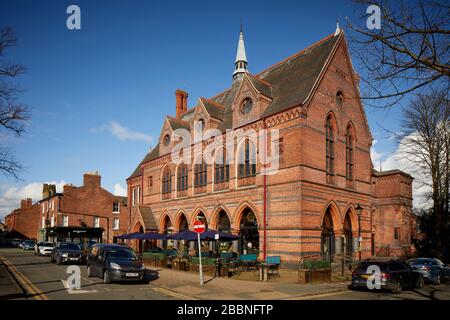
(433, 270)
(43, 248)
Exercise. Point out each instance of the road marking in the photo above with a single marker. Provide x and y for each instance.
(322, 295)
(27, 284)
(75, 291)
(173, 293)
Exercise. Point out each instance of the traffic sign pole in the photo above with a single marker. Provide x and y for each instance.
(199, 227)
(200, 258)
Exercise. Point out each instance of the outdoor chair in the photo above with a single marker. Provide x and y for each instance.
(248, 261)
(273, 263)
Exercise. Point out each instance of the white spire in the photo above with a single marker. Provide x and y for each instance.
(241, 58)
(338, 30)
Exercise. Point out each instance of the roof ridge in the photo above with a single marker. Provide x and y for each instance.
(214, 103)
(179, 120)
(258, 79)
(296, 54)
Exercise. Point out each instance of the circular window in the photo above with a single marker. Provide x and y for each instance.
(166, 140)
(246, 106)
(339, 98)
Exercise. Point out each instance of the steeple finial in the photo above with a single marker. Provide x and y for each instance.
(241, 59)
(338, 30)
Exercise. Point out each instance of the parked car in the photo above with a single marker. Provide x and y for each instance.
(16, 242)
(28, 245)
(433, 270)
(113, 262)
(43, 248)
(395, 275)
(67, 252)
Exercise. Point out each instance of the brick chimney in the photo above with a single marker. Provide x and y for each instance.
(26, 203)
(180, 102)
(92, 179)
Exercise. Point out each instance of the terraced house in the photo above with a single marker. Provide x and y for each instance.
(325, 200)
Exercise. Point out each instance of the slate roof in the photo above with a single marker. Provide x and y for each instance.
(148, 218)
(215, 110)
(288, 83)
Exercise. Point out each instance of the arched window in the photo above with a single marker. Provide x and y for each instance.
(200, 174)
(330, 148)
(222, 168)
(247, 160)
(167, 182)
(182, 178)
(349, 146)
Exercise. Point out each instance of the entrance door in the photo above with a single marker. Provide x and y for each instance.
(328, 243)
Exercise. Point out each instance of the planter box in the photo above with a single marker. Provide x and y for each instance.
(155, 262)
(314, 275)
(180, 265)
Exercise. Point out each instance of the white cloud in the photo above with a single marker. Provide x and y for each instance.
(119, 190)
(123, 133)
(10, 197)
(400, 159)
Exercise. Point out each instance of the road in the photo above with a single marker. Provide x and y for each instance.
(35, 277)
(42, 280)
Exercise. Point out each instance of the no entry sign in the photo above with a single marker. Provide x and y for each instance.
(199, 226)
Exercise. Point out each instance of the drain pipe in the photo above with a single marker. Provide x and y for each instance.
(265, 192)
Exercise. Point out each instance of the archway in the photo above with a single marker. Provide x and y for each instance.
(167, 229)
(201, 216)
(223, 225)
(182, 223)
(327, 243)
(248, 233)
(348, 235)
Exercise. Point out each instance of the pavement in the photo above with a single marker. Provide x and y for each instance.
(26, 276)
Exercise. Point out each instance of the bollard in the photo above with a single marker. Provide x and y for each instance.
(266, 273)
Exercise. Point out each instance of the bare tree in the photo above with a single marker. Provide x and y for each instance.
(13, 115)
(410, 51)
(425, 142)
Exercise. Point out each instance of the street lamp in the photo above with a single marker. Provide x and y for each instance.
(359, 210)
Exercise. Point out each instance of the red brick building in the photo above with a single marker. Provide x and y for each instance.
(86, 211)
(309, 206)
(24, 220)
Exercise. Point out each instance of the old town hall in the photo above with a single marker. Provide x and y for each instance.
(325, 200)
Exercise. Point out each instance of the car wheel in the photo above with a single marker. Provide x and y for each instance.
(420, 283)
(437, 280)
(397, 288)
(106, 278)
(89, 272)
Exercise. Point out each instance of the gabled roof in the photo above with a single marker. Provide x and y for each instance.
(151, 155)
(177, 123)
(214, 109)
(148, 218)
(262, 86)
(289, 83)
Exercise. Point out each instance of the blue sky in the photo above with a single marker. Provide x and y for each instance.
(99, 94)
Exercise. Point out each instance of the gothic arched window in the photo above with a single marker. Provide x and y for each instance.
(330, 136)
(167, 181)
(247, 160)
(349, 146)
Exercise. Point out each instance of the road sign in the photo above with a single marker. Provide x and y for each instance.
(199, 226)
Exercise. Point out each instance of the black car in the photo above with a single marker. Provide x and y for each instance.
(67, 252)
(113, 262)
(395, 275)
(433, 270)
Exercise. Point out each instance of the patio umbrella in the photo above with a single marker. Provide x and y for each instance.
(149, 236)
(126, 235)
(205, 236)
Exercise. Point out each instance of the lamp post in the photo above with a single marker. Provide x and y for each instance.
(359, 210)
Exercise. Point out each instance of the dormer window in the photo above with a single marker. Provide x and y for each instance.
(166, 140)
(246, 106)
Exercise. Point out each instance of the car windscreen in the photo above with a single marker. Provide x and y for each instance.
(29, 242)
(47, 244)
(364, 266)
(122, 254)
(69, 246)
(420, 262)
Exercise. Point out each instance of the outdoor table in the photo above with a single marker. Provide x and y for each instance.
(264, 270)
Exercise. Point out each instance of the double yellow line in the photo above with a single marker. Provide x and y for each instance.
(173, 293)
(25, 283)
